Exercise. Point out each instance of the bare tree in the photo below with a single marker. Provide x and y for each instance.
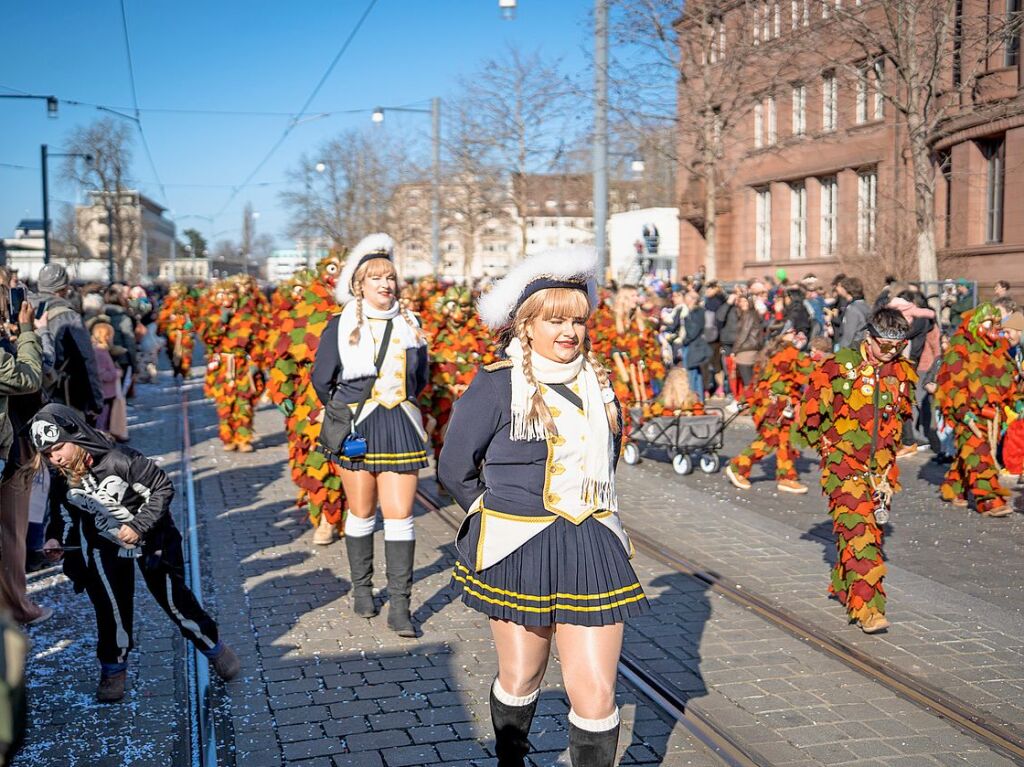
(930, 60)
(109, 143)
(514, 109)
(64, 240)
(696, 71)
(344, 190)
(473, 193)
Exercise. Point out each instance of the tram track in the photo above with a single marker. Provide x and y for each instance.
(999, 736)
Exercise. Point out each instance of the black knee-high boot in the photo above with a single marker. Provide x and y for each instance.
(360, 562)
(511, 730)
(399, 556)
(593, 749)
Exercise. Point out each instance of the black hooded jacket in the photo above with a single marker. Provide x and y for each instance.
(122, 487)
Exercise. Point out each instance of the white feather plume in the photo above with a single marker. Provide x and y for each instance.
(371, 243)
(496, 307)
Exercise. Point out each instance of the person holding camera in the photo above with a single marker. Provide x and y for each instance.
(370, 368)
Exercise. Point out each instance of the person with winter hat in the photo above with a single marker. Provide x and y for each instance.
(370, 368)
(542, 551)
(113, 509)
(76, 382)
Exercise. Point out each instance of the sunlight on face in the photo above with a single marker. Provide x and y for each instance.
(559, 338)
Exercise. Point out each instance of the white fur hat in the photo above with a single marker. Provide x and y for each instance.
(557, 268)
(377, 245)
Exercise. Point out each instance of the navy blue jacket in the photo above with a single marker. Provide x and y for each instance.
(480, 457)
(327, 371)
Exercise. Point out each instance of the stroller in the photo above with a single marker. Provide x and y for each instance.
(689, 440)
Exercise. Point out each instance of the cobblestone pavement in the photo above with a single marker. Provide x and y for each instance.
(68, 728)
(779, 546)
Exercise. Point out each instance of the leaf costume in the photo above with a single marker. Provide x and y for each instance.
(976, 381)
(459, 346)
(234, 328)
(773, 399)
(304, 311)
(838, 418)
(618, 345)
(176, 322)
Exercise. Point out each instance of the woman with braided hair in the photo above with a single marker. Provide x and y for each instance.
(542, 552)
(372, 358)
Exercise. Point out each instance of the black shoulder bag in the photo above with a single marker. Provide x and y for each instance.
(338, 435)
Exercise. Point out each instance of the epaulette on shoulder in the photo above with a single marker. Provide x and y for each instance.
(499, 365)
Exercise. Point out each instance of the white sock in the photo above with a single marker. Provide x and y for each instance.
(595, 725)
(357, 527)
(399, 530)
(514, 700)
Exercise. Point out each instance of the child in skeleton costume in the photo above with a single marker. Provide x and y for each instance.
(853, 416)
(372, 358)
(542, 551)
(111, 510)
(175, 322)
(774, 399)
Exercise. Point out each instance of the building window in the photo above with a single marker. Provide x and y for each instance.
(716, 51)
(829, 102)
(946, 165)
(1013, 18)
(867, 210)
(800, 13)
(869, 91)
(773, 135)
(758, 125)
(799, 109)
(763, 232)
(829, 216)
(995, 155)
(797, 221)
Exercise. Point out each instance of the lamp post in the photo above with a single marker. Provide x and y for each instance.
(601, 135)
(435, 204)
(44, 157)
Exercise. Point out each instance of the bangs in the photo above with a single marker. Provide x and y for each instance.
(376, 267)
(556, 302)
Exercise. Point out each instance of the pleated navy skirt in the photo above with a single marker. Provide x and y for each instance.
(576, 574)
(392, 443)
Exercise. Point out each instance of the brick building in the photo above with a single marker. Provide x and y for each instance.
(816, 176)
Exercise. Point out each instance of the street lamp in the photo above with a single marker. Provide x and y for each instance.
(435, 205)
(508, 9)
(320, 167)
(637, 166)
(44, 155)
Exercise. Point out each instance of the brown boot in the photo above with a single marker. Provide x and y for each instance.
(324, 535)
(229, 447)
(874, 623)
(226, 665)
(111, 688)
(245, 447)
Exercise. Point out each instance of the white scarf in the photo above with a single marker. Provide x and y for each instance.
(357, 361)
(598, 483)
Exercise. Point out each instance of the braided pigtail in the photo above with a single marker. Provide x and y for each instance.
(355, 335)
(411, 319)
(538, 407)
(604, 382)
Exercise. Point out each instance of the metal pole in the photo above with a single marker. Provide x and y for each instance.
(435, 204)
(110, 241)
(601, 136)
(46, 208)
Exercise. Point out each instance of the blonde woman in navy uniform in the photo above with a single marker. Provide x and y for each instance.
(390, 420)
(542, 551)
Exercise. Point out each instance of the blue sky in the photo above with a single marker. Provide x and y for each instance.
(231, 55)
